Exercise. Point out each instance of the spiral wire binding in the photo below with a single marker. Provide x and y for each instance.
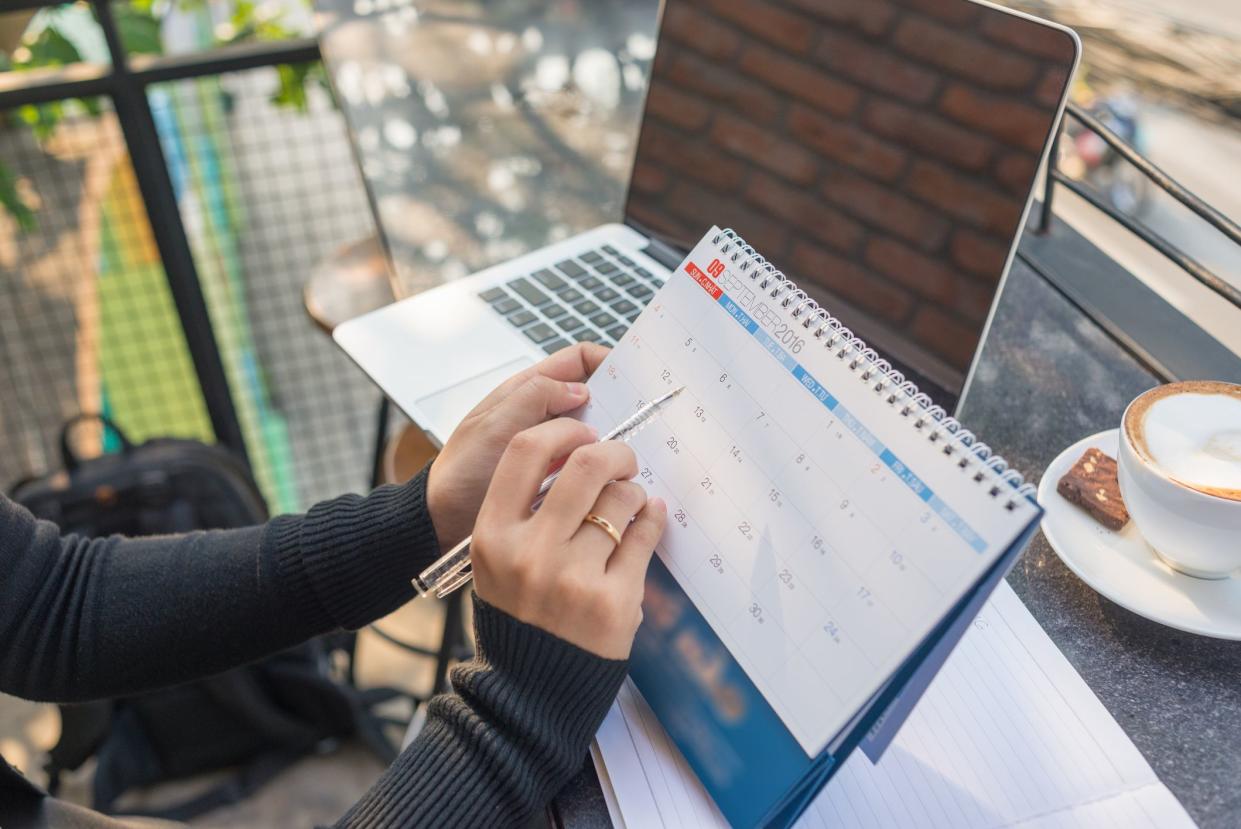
(901, 395)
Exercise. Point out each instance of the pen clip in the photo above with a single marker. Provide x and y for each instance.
(447, 567)
(460, 581)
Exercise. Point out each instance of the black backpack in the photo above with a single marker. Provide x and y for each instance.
(259, 718)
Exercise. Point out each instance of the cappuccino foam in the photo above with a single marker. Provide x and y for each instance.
(1193, 435)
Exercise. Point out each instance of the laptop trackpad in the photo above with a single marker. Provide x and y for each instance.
(448, 407)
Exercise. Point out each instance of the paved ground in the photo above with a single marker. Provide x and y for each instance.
(1205, 157)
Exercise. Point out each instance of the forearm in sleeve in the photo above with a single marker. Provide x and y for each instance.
(514, 732)
(87, 618)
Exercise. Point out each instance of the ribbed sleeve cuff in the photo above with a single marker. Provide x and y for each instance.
(350, 560)
(560, 688)
(514, 734)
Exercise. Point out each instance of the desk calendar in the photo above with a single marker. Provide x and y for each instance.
(828, 528)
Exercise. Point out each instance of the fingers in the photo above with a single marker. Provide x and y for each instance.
(540, 398)
(618, 503)
(631, 557)
(587, 471)
(524, 464)
(577, 362)
(568, 365)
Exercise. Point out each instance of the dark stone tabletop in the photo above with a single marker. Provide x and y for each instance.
(1048, 377)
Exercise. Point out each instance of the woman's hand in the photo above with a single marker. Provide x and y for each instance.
(550, 568)
(461, 473)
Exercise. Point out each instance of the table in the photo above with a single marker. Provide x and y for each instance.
(505, 173)
(1047, 377)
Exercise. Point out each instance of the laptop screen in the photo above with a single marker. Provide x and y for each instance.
(880, 152)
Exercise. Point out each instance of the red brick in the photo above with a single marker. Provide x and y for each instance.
(648, 178)
(925, 132)
(964, 54)
(1051, 87)
(804, 210)
(850, 282)
(690, 201)
(982, 256)
(951, 12)
(1031, 38)
(1012, 122)
(975, 202)
(653, 213)
(1016, 171)
(876, 67)
(700, 31)
(696, 76)
(929, 277)
(979, 204)
(904, 265)
(788, 30)
(974, 299)
(763, 148)
(870, 16)
(702, 207)
(690, 157)
(812, 85)
(886, 209)
(947, 336)
(684, 111)
(846, 143)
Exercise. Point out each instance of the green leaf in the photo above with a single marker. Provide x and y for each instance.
(42, 118)
(48, 48)
(12, 202)
(139, 29)
(292, 89)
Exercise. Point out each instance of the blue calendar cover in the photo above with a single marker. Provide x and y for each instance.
(743, 754)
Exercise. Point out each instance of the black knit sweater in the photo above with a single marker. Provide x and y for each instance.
(89, 618)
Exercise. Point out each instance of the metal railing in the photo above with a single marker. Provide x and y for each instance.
(1161, 180)
(125, 82)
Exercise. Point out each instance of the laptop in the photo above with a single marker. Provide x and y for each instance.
(883, 155)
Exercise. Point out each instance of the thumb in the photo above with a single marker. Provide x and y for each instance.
(538, 399)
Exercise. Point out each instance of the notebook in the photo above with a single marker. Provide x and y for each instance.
(829, 530)
(1008, 735)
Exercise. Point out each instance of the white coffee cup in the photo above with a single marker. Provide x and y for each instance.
(1180, 445)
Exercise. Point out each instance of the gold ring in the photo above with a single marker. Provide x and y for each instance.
(605, 525)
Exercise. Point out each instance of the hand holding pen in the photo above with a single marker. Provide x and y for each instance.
(453, 570)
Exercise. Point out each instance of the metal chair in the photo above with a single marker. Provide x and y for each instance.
(351, 282)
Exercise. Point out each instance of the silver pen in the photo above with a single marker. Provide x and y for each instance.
(452, 570)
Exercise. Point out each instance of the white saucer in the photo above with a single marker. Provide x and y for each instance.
(1123, 567)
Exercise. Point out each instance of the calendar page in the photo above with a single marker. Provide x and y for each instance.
(816, 530)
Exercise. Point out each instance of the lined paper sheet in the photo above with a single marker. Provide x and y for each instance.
(1007, 735)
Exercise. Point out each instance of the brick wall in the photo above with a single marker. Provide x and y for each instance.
(879, 150)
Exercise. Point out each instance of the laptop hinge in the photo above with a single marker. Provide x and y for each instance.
(660, 251)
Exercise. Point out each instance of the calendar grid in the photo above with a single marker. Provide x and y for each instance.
(816, 562)
(701, 467)
(745, 511)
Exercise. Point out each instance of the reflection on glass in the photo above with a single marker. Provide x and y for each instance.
(488, 130)
(879, 153)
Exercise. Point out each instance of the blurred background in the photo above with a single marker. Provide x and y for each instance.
(267, 187)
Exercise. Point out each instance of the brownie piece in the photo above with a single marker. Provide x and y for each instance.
(1092, 485)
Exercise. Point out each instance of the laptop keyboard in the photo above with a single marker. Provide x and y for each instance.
(591, 297)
